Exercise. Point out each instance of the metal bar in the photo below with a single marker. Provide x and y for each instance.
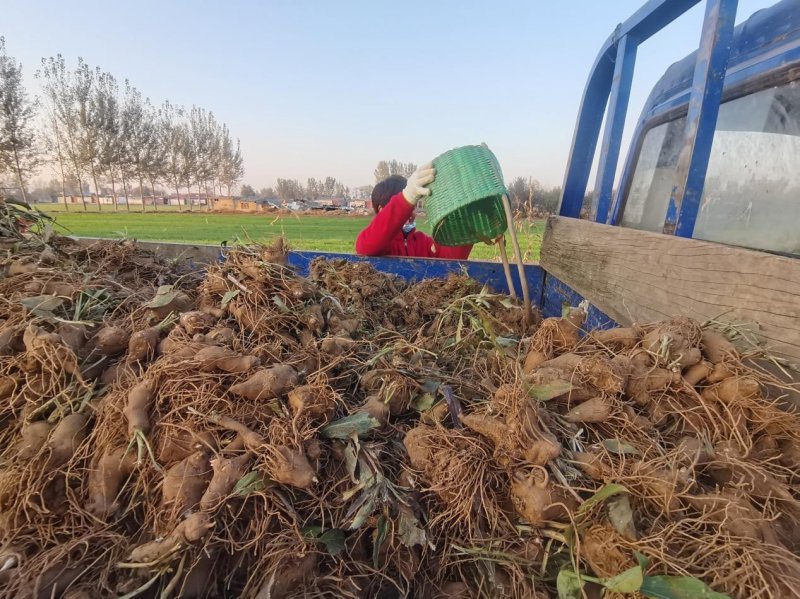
(701, 120)
(615, 124)
(526, 295)
(584, 140)
(651, 18)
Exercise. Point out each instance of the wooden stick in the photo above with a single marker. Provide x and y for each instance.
(501, 242)
(526, 296)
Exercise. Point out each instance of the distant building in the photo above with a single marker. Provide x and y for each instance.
(233, 204)
(365, 205)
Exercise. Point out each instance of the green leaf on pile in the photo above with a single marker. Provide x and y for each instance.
(678, 587)
(423, 402)
(333, 538)
(252, 482)
(282, 307)
(628, 581)
(42, 305)
(229, 296)
(356, 424)
(380, 534)
(549, 391)
(569, 585)
(165, 295)
(599, 497)
(620, 447)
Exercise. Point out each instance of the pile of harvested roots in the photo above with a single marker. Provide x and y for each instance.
(246, 432)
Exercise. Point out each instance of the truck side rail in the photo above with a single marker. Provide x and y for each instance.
(609, 84)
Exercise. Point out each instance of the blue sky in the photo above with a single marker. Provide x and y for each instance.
(317, 88)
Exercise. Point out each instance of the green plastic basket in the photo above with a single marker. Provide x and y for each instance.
(466, 200)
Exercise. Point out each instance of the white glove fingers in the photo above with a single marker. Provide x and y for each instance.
(425, 179)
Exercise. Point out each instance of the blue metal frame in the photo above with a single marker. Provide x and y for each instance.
(766, 46)
(615, 117)
(701, 122)
(547, 292)
(417, 269)
(609, 85)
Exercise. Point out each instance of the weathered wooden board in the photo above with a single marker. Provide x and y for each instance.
(637, 276)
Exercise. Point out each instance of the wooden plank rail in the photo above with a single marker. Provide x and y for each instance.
(637, 276)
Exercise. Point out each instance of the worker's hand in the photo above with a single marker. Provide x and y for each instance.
(416, 187)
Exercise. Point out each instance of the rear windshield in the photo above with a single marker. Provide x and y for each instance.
(752, 190)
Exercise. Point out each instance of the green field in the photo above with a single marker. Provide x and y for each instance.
(325, 233)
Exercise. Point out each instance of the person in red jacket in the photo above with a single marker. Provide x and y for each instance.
(392, 231)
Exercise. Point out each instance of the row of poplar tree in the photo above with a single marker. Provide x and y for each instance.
(94, 132)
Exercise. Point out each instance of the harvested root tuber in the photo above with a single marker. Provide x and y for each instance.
(65, 438)
(291, 467)
(34, 436)
(193, 529)
(318, 403)
(598, 409)
(185, 483)
(105, 480)
(733, 390)
(226, 473)
(110, 341)
(215, 357)
(617, 338)
(136, 410)
(195, 322)
(717, 348)
(269, 383)
(143, 344)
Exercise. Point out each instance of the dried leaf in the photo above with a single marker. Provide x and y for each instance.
(620, 515)
(164, 296)
(42, 304)
(408, 528)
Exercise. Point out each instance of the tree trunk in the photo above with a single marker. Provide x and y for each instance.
(113, 189)
(153, 188)
(141, 189)
(19, 177)
(96, 188)
(178, 193)
(61, 166)
(125, 189)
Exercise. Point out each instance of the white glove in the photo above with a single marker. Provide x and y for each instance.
(416, 186)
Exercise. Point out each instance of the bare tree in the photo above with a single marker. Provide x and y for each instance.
(59, 91)
(231, 165)
(19, 152)
(107, 115)
(387, 168)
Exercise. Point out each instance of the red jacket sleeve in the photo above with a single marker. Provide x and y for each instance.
(454, 252)
(376, 238)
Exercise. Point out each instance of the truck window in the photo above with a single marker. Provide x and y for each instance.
(752, 191)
